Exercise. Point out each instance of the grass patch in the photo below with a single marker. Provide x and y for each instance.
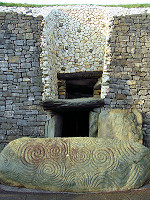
(20, 5)
(146, 5)
(36, 5)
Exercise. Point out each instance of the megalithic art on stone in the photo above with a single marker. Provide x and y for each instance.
(75, 164)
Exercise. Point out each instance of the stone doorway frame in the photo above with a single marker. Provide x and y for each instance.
(58, 106)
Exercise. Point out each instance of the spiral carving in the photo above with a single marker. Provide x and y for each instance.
(32, 153)
(57, 149)
(129, 152)
(70, 177)
(50, 172)
(74, 164)
(79, 156)
(104, 158)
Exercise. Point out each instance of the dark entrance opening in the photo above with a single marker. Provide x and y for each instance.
(80, 88)
(76, 86)
(75, 124)
(79, 85)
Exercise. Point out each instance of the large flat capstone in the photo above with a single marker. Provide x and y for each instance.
(72, 104)
(74, 164)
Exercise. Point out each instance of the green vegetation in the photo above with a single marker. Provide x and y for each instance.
(20, 5)
(36, 5)
(131, 5)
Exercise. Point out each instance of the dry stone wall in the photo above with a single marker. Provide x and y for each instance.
(33, 49)
(20, 77)
(129, 67)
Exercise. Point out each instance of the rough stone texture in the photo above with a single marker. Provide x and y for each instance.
(53, 127)
(125, 65)
(74, 164)
(93, 124)
(120, 124)
(72, 104)
(20, 77)
(129, 69)
(74, 40)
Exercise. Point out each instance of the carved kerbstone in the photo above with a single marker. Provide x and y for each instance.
(74, 164)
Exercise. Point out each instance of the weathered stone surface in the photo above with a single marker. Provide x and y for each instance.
(74, 164)
(20, 77)
(14, 59)
(93, 124)
(53, 127)
(1, 147)
(72, 104)
(120, 124)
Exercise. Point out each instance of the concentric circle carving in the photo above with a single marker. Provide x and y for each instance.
(57, 149)
(32, 153)
(79, 156)
(104, 158)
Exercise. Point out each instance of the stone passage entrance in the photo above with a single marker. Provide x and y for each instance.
(73, 86)
(75, 124)
(71, 117)
(78, 94)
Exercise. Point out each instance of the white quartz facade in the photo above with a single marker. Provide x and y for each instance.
(74, 40)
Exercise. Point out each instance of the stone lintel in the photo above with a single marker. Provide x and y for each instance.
(79, 75)
(66, 105)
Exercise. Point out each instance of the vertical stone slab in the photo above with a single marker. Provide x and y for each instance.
(93, 124)
(53, 127)
(120, 124)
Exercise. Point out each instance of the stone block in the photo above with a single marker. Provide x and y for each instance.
(14, 59)
(22, 122)
(14, 132)
(148, 132)
(3, 77)
(121, 97)
(26, 79)
(124, 38)
(33, 48)
(29, 36)
(4, 65)
(19, 42)
(9, 114)
(26, 65)
(74, 164)
(10, 77)
(41, 118)
(2, 137)
(121, 124)
(32, 130)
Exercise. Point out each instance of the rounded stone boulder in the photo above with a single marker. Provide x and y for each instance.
(74, 164)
